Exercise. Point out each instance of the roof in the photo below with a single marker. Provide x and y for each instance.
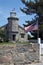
(18, 26)
(15, 18)
(3, 26)
(21, 27)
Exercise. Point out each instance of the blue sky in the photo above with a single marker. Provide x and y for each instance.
(6, 6)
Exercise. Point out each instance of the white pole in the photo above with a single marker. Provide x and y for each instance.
(39, 42)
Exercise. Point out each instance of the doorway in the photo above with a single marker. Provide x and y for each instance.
(14, 37)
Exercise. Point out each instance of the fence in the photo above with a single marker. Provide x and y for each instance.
(35, 41)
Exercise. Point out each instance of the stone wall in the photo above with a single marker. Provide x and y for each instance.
(22, 31)
(19, 54)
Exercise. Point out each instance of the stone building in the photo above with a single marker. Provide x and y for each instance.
(13, 31)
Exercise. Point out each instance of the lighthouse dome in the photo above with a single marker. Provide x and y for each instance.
(13, 13)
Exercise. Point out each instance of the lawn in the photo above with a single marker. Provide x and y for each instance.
(6, 43)
(13, 43)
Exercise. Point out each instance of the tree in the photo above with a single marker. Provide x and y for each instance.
(34, 7)
(2, 34)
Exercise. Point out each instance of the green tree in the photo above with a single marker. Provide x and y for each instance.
(34, 7)
(2, 34)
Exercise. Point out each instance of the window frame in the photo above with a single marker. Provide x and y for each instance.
(22, 35)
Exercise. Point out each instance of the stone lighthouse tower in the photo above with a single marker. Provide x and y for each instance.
(13, 26)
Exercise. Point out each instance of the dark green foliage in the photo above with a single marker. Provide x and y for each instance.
(34, 7)
(2, 35)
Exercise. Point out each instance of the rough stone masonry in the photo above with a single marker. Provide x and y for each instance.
(19, 54)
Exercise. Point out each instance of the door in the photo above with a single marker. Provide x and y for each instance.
(14, 37)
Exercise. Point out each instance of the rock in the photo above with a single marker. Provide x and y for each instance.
(6, 58)
(19, 57)
(20, 54)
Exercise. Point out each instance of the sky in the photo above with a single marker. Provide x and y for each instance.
(7, 5)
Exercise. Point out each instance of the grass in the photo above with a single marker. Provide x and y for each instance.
(6, 43)
(41, 54)
(23, 42)
(11, 43)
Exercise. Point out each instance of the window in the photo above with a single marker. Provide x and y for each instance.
(22, 35)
